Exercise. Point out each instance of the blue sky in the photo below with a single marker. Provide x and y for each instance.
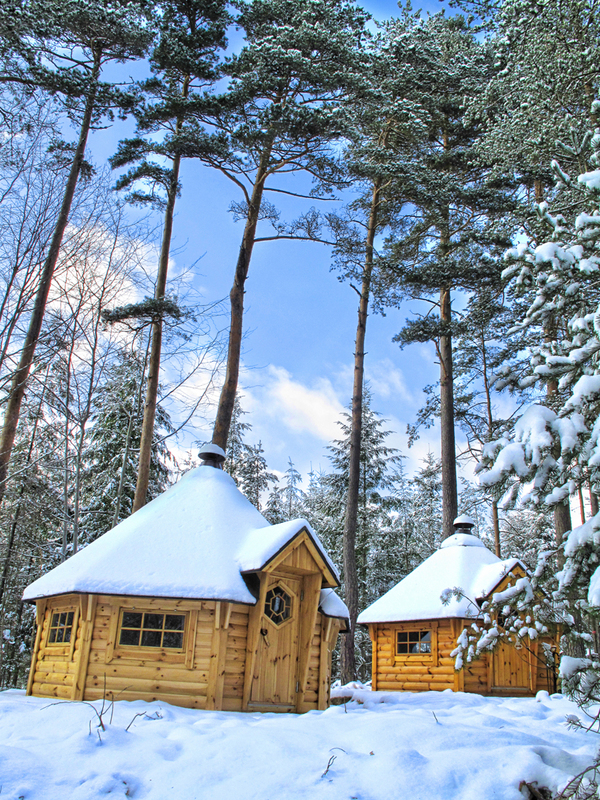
(300, 324)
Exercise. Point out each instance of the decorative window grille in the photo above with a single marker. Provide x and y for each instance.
(278, 605)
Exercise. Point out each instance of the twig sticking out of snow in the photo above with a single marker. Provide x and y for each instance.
(332, 759)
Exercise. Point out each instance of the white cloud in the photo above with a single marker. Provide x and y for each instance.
(313, 409)
(387, 380)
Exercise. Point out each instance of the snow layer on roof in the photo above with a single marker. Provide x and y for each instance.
(188, 542)
(332, 605)
(462, 562)
(262, 544)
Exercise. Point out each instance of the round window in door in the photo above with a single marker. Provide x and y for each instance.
(278, 605)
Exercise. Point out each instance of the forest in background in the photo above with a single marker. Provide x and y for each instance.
(452, 160)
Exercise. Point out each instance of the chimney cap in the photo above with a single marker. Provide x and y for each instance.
(212, 454)
(464, 522)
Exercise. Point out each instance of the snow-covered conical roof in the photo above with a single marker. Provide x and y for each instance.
(462, 562)
(193, 541)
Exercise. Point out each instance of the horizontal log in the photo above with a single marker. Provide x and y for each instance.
(148, 672)
(234, 669)
(414, 676)
(166, 687)
(53, 678)
(47, 690)
(60, 667)
(183, 700)
(98, 657)
(413, 687)
(413, 666)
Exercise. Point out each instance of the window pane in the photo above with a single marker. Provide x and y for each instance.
(414, 636)
(52, 637)
(132, 620)
(67, 635)
(172, 639)
(154, 621)
(70, 618)
(60, 632)
(174, 622)
(151, 638)
(130, 637)
(63, 619)
(55, 618)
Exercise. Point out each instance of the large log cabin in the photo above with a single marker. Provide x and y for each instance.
(413, 632)
(195, 600)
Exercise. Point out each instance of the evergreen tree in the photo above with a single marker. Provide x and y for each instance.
(377, 476)
(110, 476)
(387, 128)
(552, 447)
(275, 509)
(236, 447)
(38, 51)
(283, 109)
(183, 61)
(292, 493)
(426, 507)
(253, 474)
(457, 231)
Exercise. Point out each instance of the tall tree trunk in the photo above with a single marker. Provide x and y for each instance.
(490, 433)
(236, 297)
(448, 443)
(562, 524)
(496, 525)
(593, 501)
(19, 382)
(11, 543)
(145, 457)
(143, 476)
(135, 413)
(347, 656)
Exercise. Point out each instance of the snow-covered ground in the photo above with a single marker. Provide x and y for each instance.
(379, 746)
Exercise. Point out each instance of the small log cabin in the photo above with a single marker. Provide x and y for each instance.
(413, 633)
(195, 600)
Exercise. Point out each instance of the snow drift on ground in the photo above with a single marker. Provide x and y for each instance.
(379, 746)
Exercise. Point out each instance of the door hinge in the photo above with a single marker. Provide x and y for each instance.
(297, 686)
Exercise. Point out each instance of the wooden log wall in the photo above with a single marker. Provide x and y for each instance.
(415, 674)
(208, 674)
(54, 669)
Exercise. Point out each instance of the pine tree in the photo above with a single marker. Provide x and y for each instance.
(457, 231)
(553, 446)
(377, 476)
(387, 128)
(283, 109)
(190, 33)
(426, 505)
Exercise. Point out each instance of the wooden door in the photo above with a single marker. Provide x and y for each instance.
(511, 670)
(275, 676)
